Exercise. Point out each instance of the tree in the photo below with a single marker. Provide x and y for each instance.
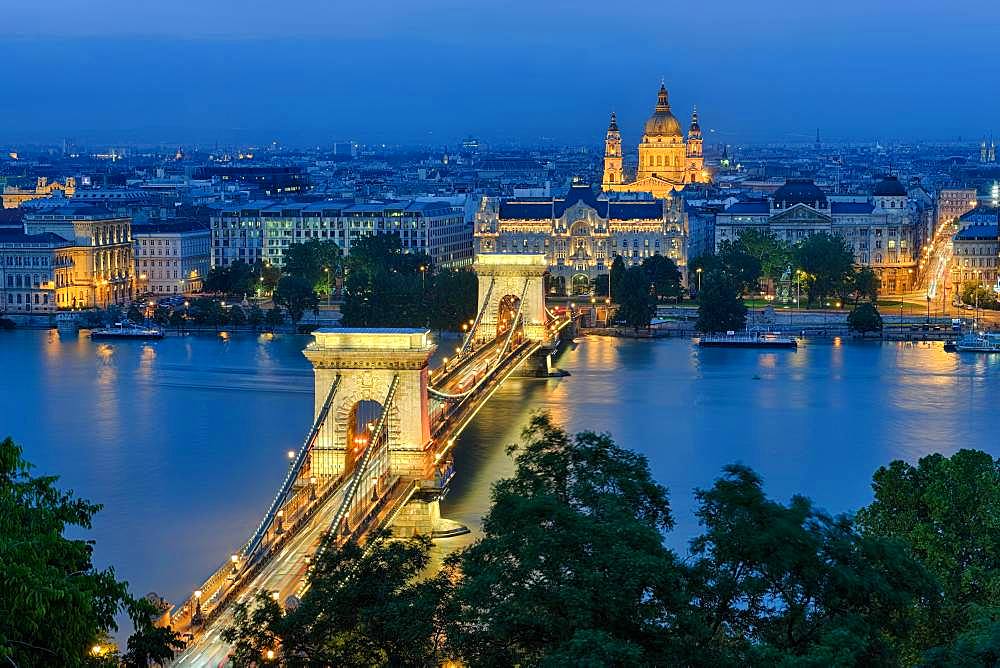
(944, 510)
(663, 275)
(237, 317)
(296, 294)
(269, 277)
(255, 317)
(742, 266)
(616, 276)
(773, 254)
(864, 318)
(55, 605)
(207, 311)
(134, 313)
(161, 316)
(364, 607)
(827, 264)
(720, 304)
(864, 285)
(150, 644)
(239, 278)
(789, 585)
(977, 294)
(453, 298)
(316, 262)
(275, 318)
(602, 283)
(636, 305)
(571, 568)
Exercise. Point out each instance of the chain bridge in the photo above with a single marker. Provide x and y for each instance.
(378, 454)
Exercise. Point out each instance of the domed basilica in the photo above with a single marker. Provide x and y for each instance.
(666, 161)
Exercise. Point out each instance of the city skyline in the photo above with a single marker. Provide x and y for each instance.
(432, 75)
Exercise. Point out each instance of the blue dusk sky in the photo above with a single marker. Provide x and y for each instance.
(434, 71)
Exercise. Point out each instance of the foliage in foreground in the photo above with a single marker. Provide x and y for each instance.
(572, 569)
(365, 607)
(55, 606)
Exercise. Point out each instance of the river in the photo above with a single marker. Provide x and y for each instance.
(184, 440)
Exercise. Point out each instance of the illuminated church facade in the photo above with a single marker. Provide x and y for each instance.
(667, 161)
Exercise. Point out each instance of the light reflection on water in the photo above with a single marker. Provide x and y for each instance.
(183, 440)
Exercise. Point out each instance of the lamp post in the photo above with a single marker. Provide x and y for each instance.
(698, 271)
(928, 309)
(423, 273)
(197, 618)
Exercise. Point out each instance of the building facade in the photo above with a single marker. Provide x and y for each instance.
(35, 272)
(974, 256)
(666, 161)
(953, 203)
(581, 234)
(263, 230)
(14, 197)
(103, 270)
(171, 258)
(877, 228)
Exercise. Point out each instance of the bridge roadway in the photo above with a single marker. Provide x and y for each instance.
(284, 572)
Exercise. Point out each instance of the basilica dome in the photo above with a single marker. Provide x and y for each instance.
(663, 123)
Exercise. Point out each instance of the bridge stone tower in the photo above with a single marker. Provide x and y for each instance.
(367, 360)
(507, 274)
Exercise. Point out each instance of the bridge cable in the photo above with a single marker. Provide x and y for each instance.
(479, 316)
(360, 468)
(293, 472)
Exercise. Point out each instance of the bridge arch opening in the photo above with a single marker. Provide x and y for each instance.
(361, 421)
(506, 312)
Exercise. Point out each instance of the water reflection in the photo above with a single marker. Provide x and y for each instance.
(183, 440)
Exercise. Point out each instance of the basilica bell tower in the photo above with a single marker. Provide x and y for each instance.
(612, 155)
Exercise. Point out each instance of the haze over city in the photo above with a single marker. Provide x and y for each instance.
(433, 72)
(532, 333)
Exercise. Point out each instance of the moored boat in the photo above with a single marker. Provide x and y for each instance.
(126, 330)
(978, 342)
(732, 339)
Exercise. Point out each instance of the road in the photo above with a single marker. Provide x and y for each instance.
(283, 574)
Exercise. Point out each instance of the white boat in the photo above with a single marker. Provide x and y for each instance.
(751, 339)
(127, 330)
(981, 342)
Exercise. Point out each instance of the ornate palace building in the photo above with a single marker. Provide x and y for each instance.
(580, 234)
(878, 228)
(666, 161)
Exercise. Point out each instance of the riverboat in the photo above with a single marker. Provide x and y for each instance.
(126, 330)
(981, 342)
(732, 339)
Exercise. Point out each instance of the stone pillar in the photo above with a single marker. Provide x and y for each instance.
(508, 273)
(367, 360)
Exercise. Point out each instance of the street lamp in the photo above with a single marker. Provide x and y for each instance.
(698, 271)
(197, 618)
(423, 272)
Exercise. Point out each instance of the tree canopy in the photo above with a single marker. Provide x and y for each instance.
(946, 511)
(314, 261)
(636, 303)
(55, 606)
(720, 303)
(364, 607)
(826, 263)
(664, 277)
(571, 568)
(864, 318)
(297, 295)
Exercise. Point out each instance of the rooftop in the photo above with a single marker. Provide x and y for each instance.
(986, 232)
